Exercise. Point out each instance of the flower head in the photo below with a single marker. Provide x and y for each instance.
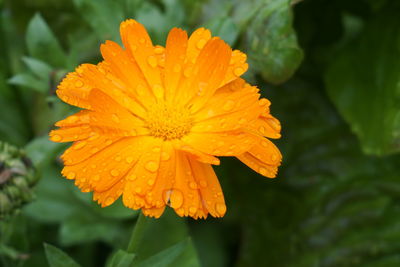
(154, 119)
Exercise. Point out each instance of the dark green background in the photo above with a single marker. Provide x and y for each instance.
(331, 69)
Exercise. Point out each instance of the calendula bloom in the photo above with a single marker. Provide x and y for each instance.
(154, 119)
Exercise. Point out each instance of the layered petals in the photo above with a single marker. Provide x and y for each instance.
(154, 120)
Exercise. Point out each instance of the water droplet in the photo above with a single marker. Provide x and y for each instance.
(201, 43)
(150, 182)
(142, 40)
(262, 171)
(158, 90)
(242, 121)
(158, 50)
(93, 166)
(228, 105)
(115, 118)
(93, 136)
(192, 210)
(114, 172)
(177, 68)
(203, 183)
(133, 47)
(238, 71)
(118, 158)
(264, 143)
(176, 199)
(165, 156)
(129, 159)
(108, 142)
(151, 166)
(79, 145)
(140, 89)
(71, 175)
(156, 149)
(220, 208)
(274, 157)
(152, 60)
(138, 190)
(263, 102)
(94, 150)
(261, 129)
(78, 83)
(193, 185)
(180, 211)
(56, 138)
(187, 72)
(109, 201)
(96, 177)
(132, 177)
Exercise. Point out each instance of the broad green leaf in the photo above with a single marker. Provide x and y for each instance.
(121, 259)
(58, 258)
(42, 44)
(41, 69)
(41, 150)
(29, 81)
(103, 16)
(363, 81)
(225, 28)
(270, 40)
(168, 256)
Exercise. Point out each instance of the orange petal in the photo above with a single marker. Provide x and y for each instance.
(82, 150)
(198, 155)
(108, 197)
(78, 119)
(137, 41)
(198, 39)
(207, 75)
(221, 144)
(69, 134)
(263, 158)
(102, 170)
(212, 197)
(153, 212)
(184, 197)
(174, 60)
(165, 176)
(237, 66)
(124, 66)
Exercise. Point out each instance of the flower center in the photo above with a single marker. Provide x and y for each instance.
(168, 122)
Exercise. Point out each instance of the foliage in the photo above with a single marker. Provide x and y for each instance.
(331, 71)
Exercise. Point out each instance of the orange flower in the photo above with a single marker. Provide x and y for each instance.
(154, 119)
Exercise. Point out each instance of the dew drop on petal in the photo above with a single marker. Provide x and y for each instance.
(132, 177)
(177, 68)
(109, 201)
(201, 43)
(118, 158)
(203, 183)
(264, 143)
(220, 208)
(142, 40)
(228, 105)
(152, 60)
(192, 210)
(150, 182)
(158, 90)
(193, 185)
(78, 83)
(115, 118)
(158, 50)
(129, 159)
(156, 149)
(96, 177)
(261, 129)
(262, 171)
(238, 71)
(80, 145)
(138, 189)
(176, 199)
(56, 138)
(151, 166)
(165, 156)
(114, 172)
(71, 175)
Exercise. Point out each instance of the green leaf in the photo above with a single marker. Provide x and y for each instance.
(270, 39)
(41, 69)
(363, 81)
(121, 259)
(29, 81)
(42, 44)
(103, 16)
(168, 256)
(41, 150)
(57, 258)
(225, 28)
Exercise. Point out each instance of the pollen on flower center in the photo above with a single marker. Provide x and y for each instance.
(167, 121)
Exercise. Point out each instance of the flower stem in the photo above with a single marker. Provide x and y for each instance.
(137, 233)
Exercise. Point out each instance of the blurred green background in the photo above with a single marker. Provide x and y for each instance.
(332, 71)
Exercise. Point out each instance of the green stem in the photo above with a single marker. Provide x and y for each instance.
(137, 234)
